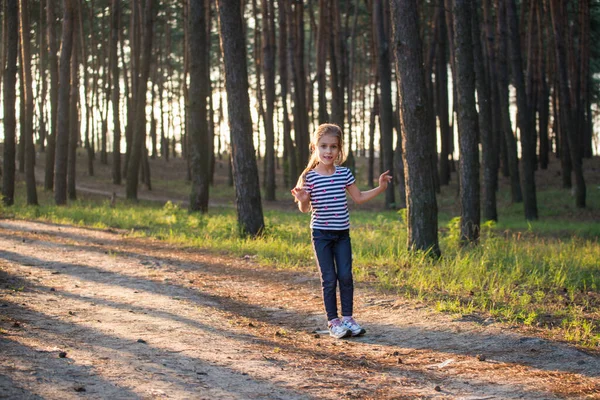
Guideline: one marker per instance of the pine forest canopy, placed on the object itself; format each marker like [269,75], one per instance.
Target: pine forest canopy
[137,72]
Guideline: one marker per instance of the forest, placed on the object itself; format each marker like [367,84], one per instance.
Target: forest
[150,246]
[426,88]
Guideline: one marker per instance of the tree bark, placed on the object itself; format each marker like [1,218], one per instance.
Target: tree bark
[62,133]
[43,82]
[53,67]
[298,70]
[115,11]
[350,160]
[420,188]
[468,132]
[9,90]
[290,167]
[543,93]
[503,82]
[489,159]
[322,45]
[245,171]
[337,64]
[442,106]
[385,92]
[24,30]
[268,65]
[197,116]
[139,131]
[524,115]
[566,105]
[73,114]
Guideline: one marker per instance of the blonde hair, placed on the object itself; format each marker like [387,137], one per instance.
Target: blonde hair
[313,161]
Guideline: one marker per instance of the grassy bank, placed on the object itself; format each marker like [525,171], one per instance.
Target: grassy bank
[543,274]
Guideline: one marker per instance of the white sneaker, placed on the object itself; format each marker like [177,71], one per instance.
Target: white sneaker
[337,329]
[354,327]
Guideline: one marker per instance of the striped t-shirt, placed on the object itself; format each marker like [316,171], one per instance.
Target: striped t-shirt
[328,198]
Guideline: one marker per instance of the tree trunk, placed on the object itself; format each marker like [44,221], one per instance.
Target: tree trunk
[489,159]
[585,114]
[245,171]
[420,189]
[115,92]
[9,90]
[337,64]
[27,128]
[103,65]
[503,82]
[442,106]
[53,66]
[373,116]
[22,113]
[565,100]
[350,161]
[43,82]
[468,134]
[524,115]
[62,133]
[322,45]
[268,67]
[89,119]
[131,85]
[73,114]
[197,117]
[139,131]
[298,70]
[385,91]
[543,93]
[290,168]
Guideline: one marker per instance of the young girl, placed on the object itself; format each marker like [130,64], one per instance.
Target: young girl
[321,189]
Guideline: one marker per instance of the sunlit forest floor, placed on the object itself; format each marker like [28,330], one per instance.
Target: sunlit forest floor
[169,181]
[156,303]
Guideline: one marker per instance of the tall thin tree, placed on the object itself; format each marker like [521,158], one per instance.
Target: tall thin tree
[420,189]
[322,46]
[73,108]
[566,105]
[53,67]
[28,101]
[245,171]
[268,67]
[62,132]
[381,21]
[197,116]
[502,80]
[489,158]
[290,168]
[115,10]
[9,90]
[468,130]
[441,94]
[524,115]
[298,71]
[138,147]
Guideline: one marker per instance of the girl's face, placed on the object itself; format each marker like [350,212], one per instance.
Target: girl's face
[328,149]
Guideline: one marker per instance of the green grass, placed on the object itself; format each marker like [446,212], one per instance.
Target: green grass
[543,274]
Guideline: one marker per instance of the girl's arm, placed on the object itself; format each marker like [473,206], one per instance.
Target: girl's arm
[360,197]
[304,206]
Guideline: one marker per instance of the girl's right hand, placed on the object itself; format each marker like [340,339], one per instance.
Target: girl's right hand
[300,194]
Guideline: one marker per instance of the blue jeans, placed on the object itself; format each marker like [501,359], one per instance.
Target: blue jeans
[333,252]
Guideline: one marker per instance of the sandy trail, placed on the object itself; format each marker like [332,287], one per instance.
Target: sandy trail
[142,319]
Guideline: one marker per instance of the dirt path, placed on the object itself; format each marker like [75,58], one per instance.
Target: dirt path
[140,319]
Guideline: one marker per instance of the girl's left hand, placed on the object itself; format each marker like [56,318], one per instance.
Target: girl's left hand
[384,179]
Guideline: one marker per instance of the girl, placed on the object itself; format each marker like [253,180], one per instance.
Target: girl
[321,189]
